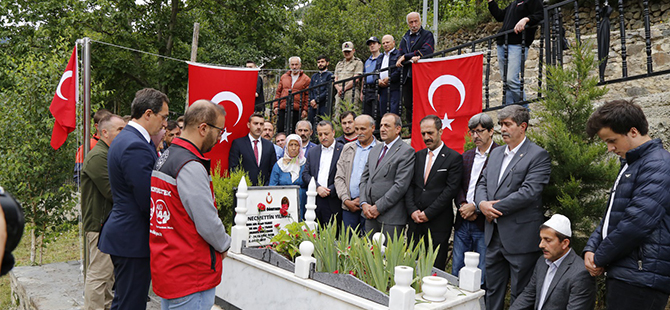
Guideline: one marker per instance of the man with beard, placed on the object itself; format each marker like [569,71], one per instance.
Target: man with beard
[268,133]
[429,200]
[318,96]
[348,132]
[304,130]
[184,218]
[294,80]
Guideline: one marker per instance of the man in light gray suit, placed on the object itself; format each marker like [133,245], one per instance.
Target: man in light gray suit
[560,280]
[509,195]
[386,178]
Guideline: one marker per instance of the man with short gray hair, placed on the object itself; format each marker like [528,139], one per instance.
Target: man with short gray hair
[293,80]
[509,195]
[469,225]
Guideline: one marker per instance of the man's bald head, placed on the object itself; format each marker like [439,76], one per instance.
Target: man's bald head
[202,111]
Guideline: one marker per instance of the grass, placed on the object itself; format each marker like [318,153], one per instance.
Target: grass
[63,247]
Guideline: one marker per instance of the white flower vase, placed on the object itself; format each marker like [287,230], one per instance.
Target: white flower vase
[434,288]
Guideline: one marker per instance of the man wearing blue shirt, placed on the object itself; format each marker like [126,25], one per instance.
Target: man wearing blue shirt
[369,93]
[350,167]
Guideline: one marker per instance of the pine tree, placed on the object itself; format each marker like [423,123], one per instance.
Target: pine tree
[582,171]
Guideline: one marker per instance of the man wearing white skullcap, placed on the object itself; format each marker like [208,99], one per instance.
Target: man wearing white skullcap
[560,280]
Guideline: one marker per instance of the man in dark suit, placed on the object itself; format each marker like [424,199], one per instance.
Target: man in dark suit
[385,180]
[560,280]
[469,226]
[509,194]
[389,80]
[321,165]
[257,156]
[125,234]
[304,129]
[429,200]
[260,97]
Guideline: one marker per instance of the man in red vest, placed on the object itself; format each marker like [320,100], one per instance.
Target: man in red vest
[187,239]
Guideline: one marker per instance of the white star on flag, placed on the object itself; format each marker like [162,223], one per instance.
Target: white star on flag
[224,135]
[446,122]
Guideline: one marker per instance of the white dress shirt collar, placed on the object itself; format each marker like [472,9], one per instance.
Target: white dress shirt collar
[141,129]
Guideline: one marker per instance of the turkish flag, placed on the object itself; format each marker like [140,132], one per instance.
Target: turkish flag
[451,88]
[232,88]
[64,105]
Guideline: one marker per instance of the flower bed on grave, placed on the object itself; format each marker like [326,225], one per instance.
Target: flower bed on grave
[359,256]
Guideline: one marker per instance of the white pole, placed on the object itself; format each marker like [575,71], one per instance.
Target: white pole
[435,20]
[424,16]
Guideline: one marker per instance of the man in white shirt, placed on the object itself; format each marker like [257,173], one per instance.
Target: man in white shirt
[254,154]
[389,80]
[321,165]
[560,280]
[469,225]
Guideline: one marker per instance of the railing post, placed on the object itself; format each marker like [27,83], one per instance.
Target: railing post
[622,29]
[329,97]
[288,114]
[488,72]
[647,36]
[522,65]
[547,36]
[540,62]
[577,34]
[504,73]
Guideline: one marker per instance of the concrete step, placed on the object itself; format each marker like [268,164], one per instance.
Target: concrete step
[57,286]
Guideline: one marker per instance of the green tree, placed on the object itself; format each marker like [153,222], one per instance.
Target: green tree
[581,170]
[36,174]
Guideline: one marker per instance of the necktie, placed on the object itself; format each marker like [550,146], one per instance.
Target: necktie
[428,166]
[256,151]
[383,153]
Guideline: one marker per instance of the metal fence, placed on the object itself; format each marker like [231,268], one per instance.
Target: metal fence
[550,47]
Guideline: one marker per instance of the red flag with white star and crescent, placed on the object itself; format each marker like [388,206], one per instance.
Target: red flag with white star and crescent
[232,88]
[451,88]
[64,104]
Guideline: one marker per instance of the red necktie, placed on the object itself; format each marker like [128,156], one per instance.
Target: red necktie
[383,153]
[256,151]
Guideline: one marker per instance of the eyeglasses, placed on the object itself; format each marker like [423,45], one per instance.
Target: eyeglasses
[476,131]
[219,128]
[164,118]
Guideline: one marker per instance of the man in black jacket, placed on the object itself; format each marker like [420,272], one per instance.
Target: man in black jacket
[515,16]
[416,43]
[318,97]
[260,98]
[389,80]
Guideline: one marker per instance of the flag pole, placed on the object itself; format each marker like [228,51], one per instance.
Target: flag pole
[86,81]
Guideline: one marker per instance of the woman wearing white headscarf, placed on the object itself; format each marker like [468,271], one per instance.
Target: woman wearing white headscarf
[288,169]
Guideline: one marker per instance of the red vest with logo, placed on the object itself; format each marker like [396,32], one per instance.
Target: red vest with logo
[182,262]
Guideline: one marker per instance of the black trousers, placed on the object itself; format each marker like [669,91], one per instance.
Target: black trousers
[281,121]
[370,100]
[439,237]
[132,279]
[407,99]
[621,295]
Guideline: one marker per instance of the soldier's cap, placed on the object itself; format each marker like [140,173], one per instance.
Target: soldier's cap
[372,39]
[347,46]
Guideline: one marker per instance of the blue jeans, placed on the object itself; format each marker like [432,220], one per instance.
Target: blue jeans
[514,63]
[354,220]
[197,301]
[468,237]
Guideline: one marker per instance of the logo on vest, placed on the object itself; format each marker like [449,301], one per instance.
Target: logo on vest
[162,212]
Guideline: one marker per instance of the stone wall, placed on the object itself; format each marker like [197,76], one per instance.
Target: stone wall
[652,93]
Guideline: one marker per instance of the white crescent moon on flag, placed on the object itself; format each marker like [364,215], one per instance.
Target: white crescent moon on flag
[66,75]
[446,80]
[232,97]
